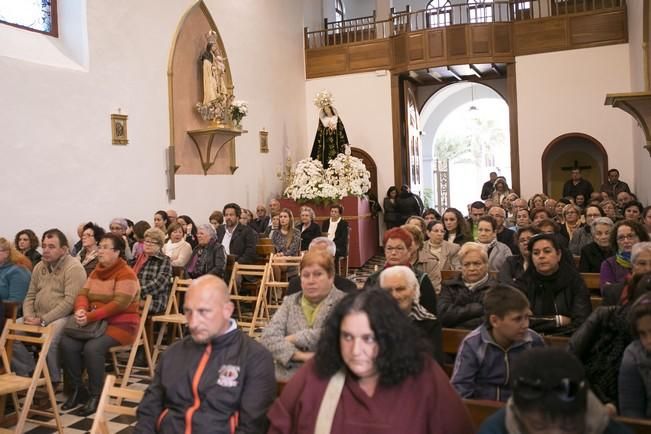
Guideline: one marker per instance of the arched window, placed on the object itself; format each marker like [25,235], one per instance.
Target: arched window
[480,11]
[340,10]
[36,15]
[439,13]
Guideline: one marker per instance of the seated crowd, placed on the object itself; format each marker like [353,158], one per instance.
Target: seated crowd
[508,277]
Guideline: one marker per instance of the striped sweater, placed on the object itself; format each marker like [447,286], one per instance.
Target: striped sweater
[112,293]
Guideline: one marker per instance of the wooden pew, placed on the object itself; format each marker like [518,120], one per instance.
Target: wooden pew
[638,426]
[591,280]
[596,301]
[481,409]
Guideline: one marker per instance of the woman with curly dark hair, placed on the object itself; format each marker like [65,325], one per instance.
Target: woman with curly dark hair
[377,374]
[26,243]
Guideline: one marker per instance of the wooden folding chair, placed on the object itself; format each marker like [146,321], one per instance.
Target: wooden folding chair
[11,383]
[111,391]
[275,288]
[141,341]
[251,322]
[171,316]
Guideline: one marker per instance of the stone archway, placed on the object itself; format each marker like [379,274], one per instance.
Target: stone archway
[570,150]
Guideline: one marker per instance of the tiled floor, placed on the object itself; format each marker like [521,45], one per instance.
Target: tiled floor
[75,424]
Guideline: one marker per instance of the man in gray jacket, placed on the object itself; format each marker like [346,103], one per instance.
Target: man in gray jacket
[56,280]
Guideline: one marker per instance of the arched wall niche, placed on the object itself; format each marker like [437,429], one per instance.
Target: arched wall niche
[370,166]
[185,87]
[563,151]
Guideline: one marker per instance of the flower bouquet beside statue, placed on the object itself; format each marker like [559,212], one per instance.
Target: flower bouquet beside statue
[345,176]
[239,109]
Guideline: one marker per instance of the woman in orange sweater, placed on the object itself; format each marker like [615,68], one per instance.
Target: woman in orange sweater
[111,293]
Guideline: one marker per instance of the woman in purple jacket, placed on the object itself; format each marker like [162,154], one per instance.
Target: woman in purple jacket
[624,235]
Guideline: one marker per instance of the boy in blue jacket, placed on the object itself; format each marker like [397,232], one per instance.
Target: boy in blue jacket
[483,363]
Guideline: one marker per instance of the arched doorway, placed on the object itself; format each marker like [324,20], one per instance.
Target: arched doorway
[465,137]
[573,150]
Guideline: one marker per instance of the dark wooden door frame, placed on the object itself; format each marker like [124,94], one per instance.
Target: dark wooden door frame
[600,148]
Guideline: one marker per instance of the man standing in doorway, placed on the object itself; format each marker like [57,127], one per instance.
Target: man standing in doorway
[577,185]
[488,187]
[611,188]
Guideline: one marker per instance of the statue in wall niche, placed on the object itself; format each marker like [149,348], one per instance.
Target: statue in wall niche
[216,96]
[331,136]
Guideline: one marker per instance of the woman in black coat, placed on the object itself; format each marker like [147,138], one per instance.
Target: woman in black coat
[559,299]
[308,227]
[594,253]
[516,265]
[391,215]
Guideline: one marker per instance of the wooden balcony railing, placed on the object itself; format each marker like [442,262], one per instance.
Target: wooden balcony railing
[368,28]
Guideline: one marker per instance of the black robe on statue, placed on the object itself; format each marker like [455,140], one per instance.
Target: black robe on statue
[329,141]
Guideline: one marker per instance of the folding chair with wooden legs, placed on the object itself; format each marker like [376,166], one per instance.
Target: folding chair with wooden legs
[11,383]
[141,341]
[276,288]
[110,391]
[171,316]
[252,323]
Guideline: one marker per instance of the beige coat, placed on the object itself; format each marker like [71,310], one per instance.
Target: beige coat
[289,320]
[428,263]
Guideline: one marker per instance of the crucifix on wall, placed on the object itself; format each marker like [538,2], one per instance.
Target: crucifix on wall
[575,166]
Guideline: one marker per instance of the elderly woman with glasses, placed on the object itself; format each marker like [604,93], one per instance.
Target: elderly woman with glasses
[624,235]
[460,302]
[209,256]
[154,271]
[398,250]
[402,284]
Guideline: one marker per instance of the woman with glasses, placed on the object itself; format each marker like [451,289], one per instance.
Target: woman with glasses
[90,238]
[624,235]
[597,251]
[110,294]
[583,235]
[397,250]
[617,293]
[571,220]
[559,299]
[154,271]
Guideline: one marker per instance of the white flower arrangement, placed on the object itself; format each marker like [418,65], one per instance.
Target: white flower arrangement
[323,99]
[345,176]
[239,109]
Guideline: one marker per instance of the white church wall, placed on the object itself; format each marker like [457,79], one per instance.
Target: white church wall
[564,92]
[60,167]
[364,104]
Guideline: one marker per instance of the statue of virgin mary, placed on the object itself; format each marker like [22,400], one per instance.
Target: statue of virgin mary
[331,136]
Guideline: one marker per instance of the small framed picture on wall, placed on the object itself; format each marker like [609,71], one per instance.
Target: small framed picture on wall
[119,129]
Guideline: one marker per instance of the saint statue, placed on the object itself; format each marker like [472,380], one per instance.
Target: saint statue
[331,138]
[214,70]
